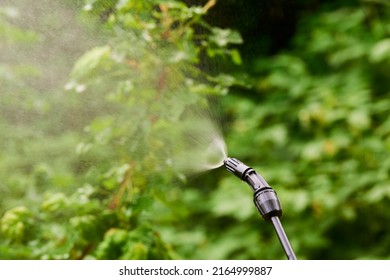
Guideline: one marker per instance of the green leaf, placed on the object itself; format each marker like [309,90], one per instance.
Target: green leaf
[380,51]
[91,61]
[359,119]
[16,223]
[224,37]
[378,193]
[55,202]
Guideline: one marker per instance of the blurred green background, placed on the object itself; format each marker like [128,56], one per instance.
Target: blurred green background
[92,94]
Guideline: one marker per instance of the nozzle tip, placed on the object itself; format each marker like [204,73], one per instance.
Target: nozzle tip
[231,165]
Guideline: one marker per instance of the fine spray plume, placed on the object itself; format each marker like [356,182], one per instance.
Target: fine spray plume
[265,199]
[200,141]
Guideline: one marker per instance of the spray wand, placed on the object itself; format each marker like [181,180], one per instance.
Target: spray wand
[265,199]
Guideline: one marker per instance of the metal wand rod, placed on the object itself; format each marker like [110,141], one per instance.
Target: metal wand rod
[283,238]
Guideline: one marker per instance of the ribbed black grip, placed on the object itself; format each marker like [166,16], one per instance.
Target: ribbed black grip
[236,167]
[231,164]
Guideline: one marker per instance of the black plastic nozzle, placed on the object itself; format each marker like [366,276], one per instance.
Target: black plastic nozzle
[265,197]
[246,173]
[236,167]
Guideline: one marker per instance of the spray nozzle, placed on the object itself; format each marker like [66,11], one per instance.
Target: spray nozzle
[236,167]
[265,197]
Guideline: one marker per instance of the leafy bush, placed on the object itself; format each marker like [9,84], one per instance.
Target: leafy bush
[139,86]
[318,121]
[101,172]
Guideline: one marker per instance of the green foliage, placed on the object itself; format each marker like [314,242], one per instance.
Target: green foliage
[94,197]
[89,173]
[318,120]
